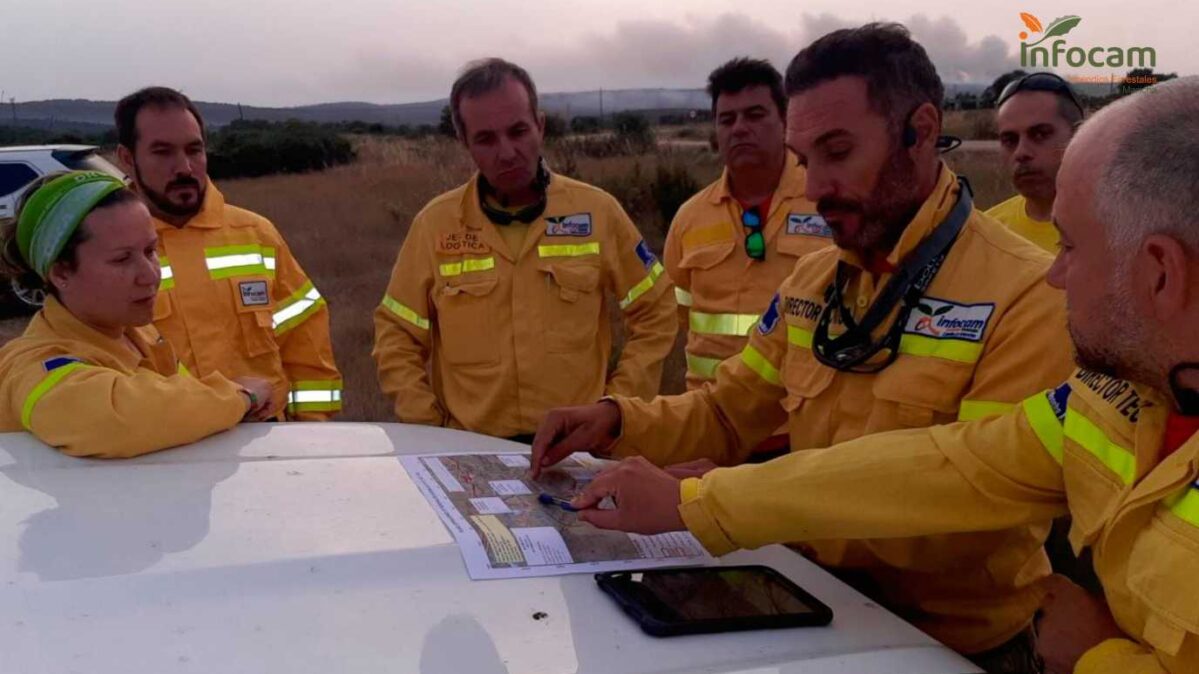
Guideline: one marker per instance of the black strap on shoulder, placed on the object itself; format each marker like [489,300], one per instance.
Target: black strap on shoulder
[908,284]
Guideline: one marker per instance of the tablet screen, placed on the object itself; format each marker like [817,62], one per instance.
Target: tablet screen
[714,593]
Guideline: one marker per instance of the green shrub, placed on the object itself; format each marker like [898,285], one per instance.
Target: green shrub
[255,148]
[555,126]
[634,130]
[585,124]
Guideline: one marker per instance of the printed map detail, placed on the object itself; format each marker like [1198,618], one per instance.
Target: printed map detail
[490,506]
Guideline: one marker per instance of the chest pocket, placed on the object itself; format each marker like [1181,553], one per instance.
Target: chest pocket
[572,302]
[804,377]
[465,315]
[917,392]
[708,256]
[1161,575]
[798,245]
[255,313]
[714,288]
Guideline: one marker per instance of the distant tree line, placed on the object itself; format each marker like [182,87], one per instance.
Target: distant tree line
[246,149]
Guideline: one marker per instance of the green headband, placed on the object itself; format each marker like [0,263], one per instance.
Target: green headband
[55,210]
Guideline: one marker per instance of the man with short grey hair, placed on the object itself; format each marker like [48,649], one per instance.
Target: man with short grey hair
[501,287]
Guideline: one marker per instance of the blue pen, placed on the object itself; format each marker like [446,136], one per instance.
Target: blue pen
[550,499]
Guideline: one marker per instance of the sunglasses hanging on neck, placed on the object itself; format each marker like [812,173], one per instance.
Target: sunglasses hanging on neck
[755,240]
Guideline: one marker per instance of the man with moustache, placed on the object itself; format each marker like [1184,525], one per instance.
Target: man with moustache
[731,244]
[232,298]
[1036,115]
[925,312]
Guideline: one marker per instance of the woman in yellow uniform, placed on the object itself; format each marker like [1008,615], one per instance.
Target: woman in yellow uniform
[90,375]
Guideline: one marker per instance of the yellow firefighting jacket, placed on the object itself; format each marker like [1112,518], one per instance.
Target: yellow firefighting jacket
[89,395]
[989,331]
[513,334]
[1091,447]
[1013,214]
[234,300]
[721,290]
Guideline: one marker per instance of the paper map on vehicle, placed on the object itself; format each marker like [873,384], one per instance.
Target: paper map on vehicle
[490,506]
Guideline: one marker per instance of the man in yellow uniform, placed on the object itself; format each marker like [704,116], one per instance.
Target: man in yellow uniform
[926,312]
[233,299]
[1115,446]
[1036,115]
[731,244]
[502,283]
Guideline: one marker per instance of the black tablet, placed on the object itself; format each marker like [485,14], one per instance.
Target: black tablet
[703,600]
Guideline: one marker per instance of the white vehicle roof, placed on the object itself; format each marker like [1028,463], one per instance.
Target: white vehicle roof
[47,148]
[305,548]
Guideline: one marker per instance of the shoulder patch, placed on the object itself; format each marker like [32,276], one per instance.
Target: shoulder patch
[949,320]
[52,364]
[578,224]
[457,243]
[1058,398]
[770,319]
[810,224]
[647,256]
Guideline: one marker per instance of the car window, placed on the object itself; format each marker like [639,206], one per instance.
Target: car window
[14,176]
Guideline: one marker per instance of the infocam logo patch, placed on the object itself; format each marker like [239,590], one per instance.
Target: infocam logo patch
[254,293]
[810,224]
[948,320]
[578,224]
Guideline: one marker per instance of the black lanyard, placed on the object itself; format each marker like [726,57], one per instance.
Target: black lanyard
[851,350]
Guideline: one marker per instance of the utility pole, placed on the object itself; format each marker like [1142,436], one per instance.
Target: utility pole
[601,119]
[240,115]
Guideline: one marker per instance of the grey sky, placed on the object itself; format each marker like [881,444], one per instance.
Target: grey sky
[287,52]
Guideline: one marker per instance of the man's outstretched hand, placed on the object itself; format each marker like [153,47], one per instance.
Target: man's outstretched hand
[564,431]
[646,499]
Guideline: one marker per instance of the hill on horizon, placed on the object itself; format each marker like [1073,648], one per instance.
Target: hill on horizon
[88,116]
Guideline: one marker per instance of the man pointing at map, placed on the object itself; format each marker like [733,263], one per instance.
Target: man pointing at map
[925,312]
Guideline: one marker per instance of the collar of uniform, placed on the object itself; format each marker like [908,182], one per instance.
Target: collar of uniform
[210,213]
[473,217]
[934,209]
[65,324]
[1158,475]
[791,183]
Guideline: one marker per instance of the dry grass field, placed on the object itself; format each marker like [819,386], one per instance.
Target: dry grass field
[345,225]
